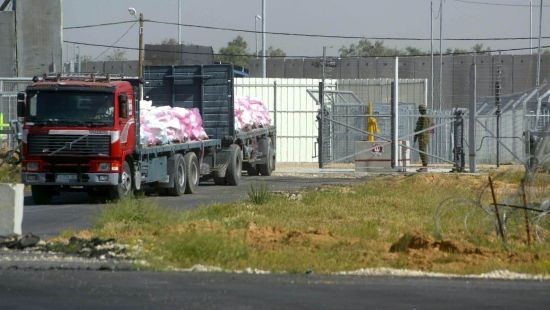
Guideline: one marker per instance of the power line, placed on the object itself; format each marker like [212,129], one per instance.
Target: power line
[497,4]
[307,57]
[312,35]
[120,38]
[340,36]
[100,25]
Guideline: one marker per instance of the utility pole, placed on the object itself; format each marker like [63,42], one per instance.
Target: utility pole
[538,65]
[141,52]
[440,52]
[263,40]
[498,112]
[531,26]
[432,52]
[179,22]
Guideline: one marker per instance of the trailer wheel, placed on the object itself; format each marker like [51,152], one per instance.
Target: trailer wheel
[41,195]
[269,166]
[192,173]
[234,166]
[124,187]
[180,170]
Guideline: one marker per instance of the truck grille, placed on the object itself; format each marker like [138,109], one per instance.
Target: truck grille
[69,145]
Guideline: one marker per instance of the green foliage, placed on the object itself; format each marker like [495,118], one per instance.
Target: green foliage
[259,194]
[275,52]
[236,52]
[133,213]
[169,41]
[367,48]
[200,247]
[117,55]
[10,174]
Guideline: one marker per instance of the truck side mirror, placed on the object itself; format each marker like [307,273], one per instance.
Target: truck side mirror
[123,105]
[21,104]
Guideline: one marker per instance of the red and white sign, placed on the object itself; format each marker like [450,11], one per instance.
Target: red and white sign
[377,150]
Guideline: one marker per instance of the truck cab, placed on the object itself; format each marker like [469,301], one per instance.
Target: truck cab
[76,134]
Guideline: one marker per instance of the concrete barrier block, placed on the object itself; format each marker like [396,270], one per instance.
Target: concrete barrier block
[11,209]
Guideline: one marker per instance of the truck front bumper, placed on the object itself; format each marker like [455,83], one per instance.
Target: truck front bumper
[69,179]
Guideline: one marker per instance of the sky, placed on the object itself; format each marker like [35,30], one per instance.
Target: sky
[368,18]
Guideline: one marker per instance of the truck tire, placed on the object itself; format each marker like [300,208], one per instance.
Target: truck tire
[41,195]
[234,165]
[180,181]
[124,187]
[269,166]
[192,173]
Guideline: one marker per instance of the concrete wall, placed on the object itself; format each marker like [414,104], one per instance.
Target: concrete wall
[517,73]
[7,43]
[39,36]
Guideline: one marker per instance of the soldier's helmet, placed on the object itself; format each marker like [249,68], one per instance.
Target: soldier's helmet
[422,108]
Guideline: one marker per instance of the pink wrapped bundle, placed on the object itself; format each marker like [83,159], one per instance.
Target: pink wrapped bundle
[162,125]
[250,113]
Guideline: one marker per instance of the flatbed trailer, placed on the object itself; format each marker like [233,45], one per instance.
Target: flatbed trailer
[64,149]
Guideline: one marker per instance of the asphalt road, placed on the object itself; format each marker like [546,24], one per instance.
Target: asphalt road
[21,289]
[74,210]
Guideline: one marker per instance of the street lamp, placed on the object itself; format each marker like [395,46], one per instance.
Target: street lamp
[133,12]
[256,19]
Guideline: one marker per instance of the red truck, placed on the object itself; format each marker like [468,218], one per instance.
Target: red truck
[84,134]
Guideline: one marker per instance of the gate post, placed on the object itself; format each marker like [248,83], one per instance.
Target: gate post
[395,117]
[320,119]
[458,150]
[472,118]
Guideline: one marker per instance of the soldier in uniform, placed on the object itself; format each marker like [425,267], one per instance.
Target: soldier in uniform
[423,137]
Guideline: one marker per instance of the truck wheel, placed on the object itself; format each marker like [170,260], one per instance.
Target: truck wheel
[180,170]
[234,166]
[124,187]
[192,173]
[41,195]
[269,166]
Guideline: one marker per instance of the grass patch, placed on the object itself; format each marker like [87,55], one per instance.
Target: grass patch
[326,230]
[259,194]
[10,174]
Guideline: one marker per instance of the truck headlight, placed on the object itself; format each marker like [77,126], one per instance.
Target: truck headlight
[104,167]
[32,166]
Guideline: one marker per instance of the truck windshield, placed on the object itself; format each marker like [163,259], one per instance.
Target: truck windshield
[71,108]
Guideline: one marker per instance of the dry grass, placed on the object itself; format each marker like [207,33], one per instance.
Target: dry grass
[325,230]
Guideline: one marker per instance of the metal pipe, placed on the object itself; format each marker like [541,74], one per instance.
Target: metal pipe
[432,53]
[472,118]
[531,27]
[179,22]
[440,53]
[263,40]
[538,65]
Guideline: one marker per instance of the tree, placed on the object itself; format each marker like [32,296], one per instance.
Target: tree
[367,48]
[275,52]
[456,51]
[85,58]
[117,55]
[415,51]
[169,41]
[478,48]
[235,52]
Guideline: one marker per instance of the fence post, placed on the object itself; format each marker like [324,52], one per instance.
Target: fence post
[395,118]
[458,150]
[320,118]
[472,118]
